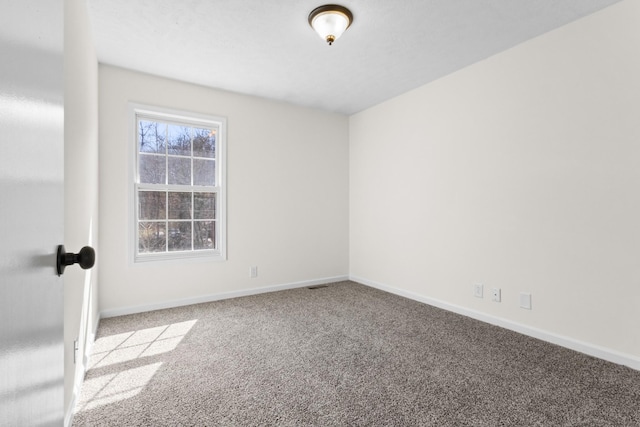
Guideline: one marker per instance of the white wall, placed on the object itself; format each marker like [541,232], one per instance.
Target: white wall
[520,172]
[81,190]
[287,195]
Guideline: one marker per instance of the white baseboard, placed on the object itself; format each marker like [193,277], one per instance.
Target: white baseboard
[567,342]
[216,297]
[77,386]
[68,415]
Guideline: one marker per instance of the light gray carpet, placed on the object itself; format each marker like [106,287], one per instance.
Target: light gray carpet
[342,355]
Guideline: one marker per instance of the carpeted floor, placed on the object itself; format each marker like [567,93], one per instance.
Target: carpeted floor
[341,355]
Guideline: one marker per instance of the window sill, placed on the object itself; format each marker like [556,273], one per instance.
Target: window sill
[204,255]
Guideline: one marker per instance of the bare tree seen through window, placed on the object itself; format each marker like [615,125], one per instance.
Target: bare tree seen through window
[179,212]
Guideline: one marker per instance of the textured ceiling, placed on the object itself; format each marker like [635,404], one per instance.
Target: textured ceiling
[266,48]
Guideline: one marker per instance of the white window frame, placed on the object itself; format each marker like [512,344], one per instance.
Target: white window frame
[191,119]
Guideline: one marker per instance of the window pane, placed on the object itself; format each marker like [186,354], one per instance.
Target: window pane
[180,236]
[151,136]
[179,205]
[152,204]
[204,205]
[204,235]
[152,169]
[151,237]
[179,140]
[204,172]
[179,171]
[204,142]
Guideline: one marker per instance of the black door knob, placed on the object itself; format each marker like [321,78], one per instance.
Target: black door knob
[85,258]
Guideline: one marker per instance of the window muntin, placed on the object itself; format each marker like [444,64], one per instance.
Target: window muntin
[178,186]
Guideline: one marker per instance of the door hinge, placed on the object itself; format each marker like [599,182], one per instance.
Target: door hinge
[75,350]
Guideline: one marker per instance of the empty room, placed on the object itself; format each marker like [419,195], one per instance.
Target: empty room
[238,213]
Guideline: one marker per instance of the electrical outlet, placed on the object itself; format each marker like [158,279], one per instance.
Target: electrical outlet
[253,272]
[495,294]
[477,290]
[525,300]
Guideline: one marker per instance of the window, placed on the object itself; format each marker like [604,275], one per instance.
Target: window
[179,195]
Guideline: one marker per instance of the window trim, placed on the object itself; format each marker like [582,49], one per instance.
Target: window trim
[136,111]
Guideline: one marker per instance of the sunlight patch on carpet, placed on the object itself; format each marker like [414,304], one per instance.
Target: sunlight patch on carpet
[125,382]
[136,344]
[115,387]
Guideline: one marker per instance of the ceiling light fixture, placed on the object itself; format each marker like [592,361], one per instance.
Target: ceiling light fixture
[330,21]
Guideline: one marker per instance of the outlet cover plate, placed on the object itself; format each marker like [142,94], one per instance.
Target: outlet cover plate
[525,300]
[477,290]
[495,294]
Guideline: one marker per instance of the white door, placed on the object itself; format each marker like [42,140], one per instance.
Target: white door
[31,212]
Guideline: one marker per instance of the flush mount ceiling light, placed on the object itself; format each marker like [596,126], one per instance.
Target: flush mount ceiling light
[330,21]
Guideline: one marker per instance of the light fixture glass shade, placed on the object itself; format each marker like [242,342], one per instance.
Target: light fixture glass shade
[330,21]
